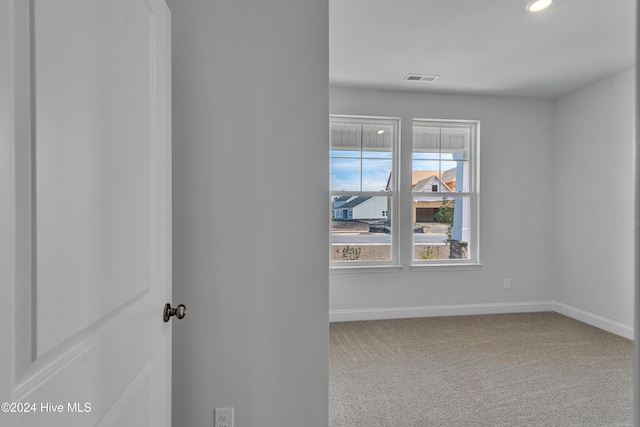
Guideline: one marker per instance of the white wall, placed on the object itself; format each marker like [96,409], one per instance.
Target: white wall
[250,135]
[594,199]
[371,209]
[516,213]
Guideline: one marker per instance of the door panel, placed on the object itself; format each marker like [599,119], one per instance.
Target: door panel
[85,170]
[132,406]
[92,157]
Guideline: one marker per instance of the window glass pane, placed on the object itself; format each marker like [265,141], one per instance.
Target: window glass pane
[444,150]
[455,142]
[428,165]
[426,139]
[376,174]
[454,151]
[377,138]
[345,174]
[360,228]
[370,145]
[346,136]
[457,176]
[441,227]
[424,177]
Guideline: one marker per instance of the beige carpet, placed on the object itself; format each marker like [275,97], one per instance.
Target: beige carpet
[537,369]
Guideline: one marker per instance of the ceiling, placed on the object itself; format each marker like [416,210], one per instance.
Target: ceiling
[490,47]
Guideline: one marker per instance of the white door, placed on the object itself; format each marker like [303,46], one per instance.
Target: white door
[85,213]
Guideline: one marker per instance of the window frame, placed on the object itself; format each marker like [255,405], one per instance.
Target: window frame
[402,199]
[391,264]
[472,193]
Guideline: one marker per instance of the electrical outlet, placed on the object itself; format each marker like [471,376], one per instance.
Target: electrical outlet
[223,417]
[507,283]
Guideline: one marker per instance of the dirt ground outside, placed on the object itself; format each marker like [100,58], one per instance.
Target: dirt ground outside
[363,227]
[382,252]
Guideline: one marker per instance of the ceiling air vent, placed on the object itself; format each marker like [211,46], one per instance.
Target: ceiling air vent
[420,78]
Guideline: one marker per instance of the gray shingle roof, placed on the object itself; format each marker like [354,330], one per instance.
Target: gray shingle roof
[355,202]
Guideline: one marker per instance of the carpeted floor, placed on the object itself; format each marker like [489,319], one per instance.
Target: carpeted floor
[534,369]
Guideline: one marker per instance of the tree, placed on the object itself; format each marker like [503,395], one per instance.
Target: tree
[445,215]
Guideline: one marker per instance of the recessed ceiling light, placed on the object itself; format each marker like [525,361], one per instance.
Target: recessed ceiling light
[538,5]
[380,132]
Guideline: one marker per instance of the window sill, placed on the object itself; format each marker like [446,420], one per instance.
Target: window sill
[365,269]
[446,267]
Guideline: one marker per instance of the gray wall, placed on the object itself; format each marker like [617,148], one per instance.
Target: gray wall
[516,187]
[250,107]
[594,203]
[556,210]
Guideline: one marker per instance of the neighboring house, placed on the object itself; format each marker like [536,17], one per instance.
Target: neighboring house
[426,208]
[341,201]
[448,178]
[360,207]
[427,181]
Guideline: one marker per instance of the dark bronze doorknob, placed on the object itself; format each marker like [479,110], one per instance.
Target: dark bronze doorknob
[180,311]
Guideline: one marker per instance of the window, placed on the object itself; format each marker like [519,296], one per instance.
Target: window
[363,199]
[439,207]
[444,188]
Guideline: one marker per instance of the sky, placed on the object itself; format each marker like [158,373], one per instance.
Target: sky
[347,173]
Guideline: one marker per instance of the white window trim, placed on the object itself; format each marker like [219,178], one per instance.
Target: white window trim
[452,266]
[381,265]
[473,262]
[346,269]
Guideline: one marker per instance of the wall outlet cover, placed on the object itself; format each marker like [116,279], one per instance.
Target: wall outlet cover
[223,417]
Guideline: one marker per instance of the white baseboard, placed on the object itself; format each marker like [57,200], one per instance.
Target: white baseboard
[438,311]
[596,320]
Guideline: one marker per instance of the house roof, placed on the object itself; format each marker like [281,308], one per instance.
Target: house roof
[418,175]
[420,185]
[355,202]
[449,175]
[426,183]
[342,199]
